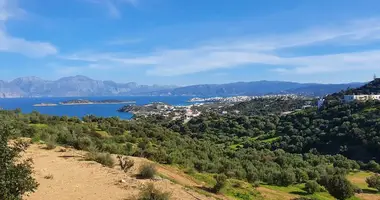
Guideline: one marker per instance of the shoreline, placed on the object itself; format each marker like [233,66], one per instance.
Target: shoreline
[96,103]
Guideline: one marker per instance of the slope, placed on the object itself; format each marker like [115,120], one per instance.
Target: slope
[64,175]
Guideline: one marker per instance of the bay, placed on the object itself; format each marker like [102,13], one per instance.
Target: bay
[100,110]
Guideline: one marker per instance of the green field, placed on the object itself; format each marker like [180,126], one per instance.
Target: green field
[241,190]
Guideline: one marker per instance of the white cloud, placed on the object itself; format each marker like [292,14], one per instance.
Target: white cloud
[114,5]
[22,46]
[259,51]
[8,43]
[123,41]
[9,9]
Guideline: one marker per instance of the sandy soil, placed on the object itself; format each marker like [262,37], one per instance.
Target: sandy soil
[66,176]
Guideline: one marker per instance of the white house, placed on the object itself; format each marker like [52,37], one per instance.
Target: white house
[361,97]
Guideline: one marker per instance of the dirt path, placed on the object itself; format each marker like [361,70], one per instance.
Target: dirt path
[65,176]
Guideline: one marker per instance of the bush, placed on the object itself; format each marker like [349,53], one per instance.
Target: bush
[284,178]
[312,187]
[84,143]
[50,145]
[220,182]
[256,184]
[339,187]
[147,171]
[125,163]
[357,190]
[18,175]
[102,158]
[151,193]
[374,182]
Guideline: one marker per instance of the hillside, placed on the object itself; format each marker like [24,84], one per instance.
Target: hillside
[257,88]
[260,154]
[350,129]
[372,87]
[82,86]
[66,176]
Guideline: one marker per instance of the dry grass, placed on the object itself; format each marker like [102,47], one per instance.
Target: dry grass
[270,194]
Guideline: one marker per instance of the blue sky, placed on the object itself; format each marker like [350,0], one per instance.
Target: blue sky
[186,42]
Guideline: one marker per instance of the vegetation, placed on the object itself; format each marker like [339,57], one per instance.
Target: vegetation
[15,175]
[312,187]
[374,181]
[149,192]
[302,148]
[102,158]
[125,163]
[274,106]
[147,171]
[220,182]
[338,186]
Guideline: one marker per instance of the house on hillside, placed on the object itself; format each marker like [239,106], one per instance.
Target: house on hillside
[361,97]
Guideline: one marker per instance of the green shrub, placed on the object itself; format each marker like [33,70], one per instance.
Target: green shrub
[256,184]
[151,193]
[50,145]
[15,177]
[102,158]
[84,143]
[312,187]
[339,187]
[221,180]
[374,181]
[147,171]
[357,189]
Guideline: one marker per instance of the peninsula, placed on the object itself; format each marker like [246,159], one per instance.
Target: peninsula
[85,102]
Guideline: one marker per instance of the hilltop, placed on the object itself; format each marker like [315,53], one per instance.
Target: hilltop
[372,87]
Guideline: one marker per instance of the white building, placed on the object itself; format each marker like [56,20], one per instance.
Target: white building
[361,97]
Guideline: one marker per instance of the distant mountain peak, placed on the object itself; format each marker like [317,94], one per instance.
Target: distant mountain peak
[79,85]
[27,78]
[77,77]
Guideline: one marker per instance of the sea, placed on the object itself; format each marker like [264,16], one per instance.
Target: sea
[100,110]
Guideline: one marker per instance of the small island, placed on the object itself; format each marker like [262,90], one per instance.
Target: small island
[44,104]
[85,102]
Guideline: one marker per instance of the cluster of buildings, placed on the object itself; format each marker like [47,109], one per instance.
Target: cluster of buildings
[361,97]
[237,99]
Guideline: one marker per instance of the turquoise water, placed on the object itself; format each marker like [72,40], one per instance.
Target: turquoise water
[101,110]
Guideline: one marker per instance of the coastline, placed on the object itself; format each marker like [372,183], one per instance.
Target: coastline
[96,103]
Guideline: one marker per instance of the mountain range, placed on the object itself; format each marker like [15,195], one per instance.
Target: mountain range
[81,86]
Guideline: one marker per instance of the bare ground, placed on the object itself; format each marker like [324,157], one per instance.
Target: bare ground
[66,176]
